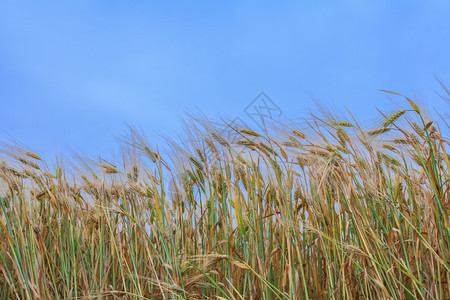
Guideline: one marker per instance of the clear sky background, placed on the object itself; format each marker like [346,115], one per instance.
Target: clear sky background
[73,72]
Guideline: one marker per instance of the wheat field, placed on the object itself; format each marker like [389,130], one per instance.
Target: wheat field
[332,209]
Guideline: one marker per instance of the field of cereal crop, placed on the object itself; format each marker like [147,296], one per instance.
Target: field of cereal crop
[332,210]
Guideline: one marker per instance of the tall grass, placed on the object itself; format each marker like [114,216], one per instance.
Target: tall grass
[328,211]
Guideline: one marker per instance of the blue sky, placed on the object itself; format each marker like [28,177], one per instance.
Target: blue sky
[73,72]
